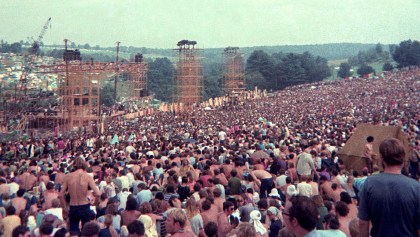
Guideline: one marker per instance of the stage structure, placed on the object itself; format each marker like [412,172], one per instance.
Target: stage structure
[233,71]
[79,85]
[189,78]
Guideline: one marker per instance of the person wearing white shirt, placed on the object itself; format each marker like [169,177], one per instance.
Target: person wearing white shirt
[130,177]
[125,183]
[123,199]
[56,209]
[129,149]
[222,137]
[281,180]
[13,188]
[303,188]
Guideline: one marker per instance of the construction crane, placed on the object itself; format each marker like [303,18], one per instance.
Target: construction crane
[35,45]
[34,50]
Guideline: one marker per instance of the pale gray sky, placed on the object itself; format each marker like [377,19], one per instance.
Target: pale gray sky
[212,23]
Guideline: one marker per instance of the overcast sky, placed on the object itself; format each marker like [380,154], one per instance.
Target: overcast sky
[212,23]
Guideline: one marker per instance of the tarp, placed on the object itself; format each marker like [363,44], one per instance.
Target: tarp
[351,153]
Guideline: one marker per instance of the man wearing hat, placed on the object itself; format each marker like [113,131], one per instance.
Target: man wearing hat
[276,224]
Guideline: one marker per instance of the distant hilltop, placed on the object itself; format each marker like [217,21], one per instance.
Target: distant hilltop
[331,51]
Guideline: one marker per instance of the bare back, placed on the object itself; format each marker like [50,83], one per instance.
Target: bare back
[77,184]
[262,174]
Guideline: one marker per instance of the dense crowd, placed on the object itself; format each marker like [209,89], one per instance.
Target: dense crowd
[236,170]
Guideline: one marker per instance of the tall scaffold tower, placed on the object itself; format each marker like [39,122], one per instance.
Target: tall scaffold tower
[189,78]
[79,85]
[233,71]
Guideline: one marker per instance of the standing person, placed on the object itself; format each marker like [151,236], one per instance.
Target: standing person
[265,180]
[194,216]
[276,224]
[390,200]
[234,183]
[76,185]
[176,223]
[368,154]
[223,220]
[61,145]
[305,165]
[414,158]
[222,137]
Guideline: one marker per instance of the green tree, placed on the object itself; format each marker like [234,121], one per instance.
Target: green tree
[159,79]
[86,46]
[211,87]
[344,70]
[316,68]
[277,57]
[291,71]
[260,61]
[212,79]
[107,94]
[365,69]
[254,79]
[407,53]
[387,67]
[392,48]
[378,48]
[16,47]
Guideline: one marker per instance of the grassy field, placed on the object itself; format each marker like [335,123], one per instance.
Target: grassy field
[377,66]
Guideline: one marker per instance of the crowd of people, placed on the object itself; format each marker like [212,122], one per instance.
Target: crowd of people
[265,167]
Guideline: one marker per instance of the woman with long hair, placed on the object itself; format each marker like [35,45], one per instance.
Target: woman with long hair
[194,216]
[323,211]
[149,227]
[130,213]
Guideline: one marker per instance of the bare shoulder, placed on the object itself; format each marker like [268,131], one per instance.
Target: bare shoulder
[66,177]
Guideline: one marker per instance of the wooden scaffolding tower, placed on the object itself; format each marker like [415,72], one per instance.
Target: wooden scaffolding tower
[138,78]
[189,79]
[79,86]
[233,71]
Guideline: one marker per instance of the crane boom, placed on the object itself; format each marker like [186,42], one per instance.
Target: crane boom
[35,44]
[27,67]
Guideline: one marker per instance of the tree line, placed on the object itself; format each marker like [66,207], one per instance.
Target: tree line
[279,70]
[406,54]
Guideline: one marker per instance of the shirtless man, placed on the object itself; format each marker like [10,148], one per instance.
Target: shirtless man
[336,190]
[76,184]
[325,187]
[19,202]
[49,195]
[227,168]
[368,154]
[264,179]
[28,180]
[59,177]
[4,188]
